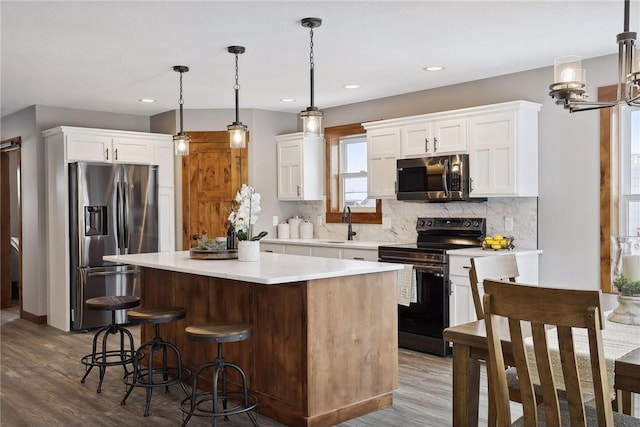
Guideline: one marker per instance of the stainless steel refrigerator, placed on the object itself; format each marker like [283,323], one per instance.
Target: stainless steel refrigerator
[113,211]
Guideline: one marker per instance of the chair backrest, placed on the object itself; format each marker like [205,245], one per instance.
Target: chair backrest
[530,311]
[502,267]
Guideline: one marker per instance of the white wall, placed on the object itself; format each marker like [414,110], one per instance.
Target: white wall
[28,124]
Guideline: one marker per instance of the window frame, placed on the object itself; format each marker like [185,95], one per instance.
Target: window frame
[333,213]
[609,185]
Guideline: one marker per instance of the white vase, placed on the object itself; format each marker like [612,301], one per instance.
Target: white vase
[627,311]
[248,250]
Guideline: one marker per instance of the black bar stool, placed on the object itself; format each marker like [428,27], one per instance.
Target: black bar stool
[225,402]
[157,373]
[102,358]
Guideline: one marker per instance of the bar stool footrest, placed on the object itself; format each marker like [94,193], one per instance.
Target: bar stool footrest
[105,359]
[235,405]
[142,377]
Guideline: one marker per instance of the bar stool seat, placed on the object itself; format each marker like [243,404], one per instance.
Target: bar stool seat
[225,402]
[105,357]
[157,373]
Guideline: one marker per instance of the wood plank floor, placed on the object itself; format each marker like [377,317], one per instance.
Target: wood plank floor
[40,386]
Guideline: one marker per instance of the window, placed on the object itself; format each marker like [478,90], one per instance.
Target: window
[346,176]
[629,172]
[353,174]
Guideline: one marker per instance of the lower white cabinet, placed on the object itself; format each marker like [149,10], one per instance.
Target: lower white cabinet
[461,307]
[321,251]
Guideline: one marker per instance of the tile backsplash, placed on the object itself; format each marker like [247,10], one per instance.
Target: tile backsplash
[403,215]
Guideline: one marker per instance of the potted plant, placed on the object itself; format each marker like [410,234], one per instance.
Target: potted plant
[243,217]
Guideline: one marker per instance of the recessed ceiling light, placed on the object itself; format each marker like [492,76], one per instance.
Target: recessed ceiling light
[147,100]
[287,99]
[434,68]
[351,86]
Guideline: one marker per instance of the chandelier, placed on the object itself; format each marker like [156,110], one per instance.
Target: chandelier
[569,87]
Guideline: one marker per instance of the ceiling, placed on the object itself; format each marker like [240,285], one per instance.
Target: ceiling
[106,55]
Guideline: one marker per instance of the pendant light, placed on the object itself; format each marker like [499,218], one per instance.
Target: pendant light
[311,117]
[569,87]
[181,140]
[237,131]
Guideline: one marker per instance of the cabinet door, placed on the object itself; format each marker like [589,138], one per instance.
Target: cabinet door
[297,250]
[382,149]
[416,139]
[449,136]
[89,148]
[460,301]
[289,170]
[133,151]
[271,247]
[325,252]
[492,157]
[360,254]
[166,219]
[165,162]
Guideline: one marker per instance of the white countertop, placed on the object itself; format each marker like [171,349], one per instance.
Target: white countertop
[270,270]
[334,243]
[487,252]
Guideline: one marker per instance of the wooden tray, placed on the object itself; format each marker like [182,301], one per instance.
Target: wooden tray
[208,254]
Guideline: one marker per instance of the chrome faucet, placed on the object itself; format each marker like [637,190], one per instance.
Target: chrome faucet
[346,218]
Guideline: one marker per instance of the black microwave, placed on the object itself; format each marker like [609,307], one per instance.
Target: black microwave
[434,179]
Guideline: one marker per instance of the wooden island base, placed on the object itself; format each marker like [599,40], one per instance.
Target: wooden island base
[322,351]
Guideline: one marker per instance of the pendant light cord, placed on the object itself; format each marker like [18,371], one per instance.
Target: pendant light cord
[236,87]
[311,63]
[181,102]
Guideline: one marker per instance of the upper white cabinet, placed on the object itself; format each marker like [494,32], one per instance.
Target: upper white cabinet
[503,150]
[300,167]
[91,145]
[382,153]
[434,137]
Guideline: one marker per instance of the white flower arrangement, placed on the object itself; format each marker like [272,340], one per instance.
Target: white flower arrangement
[245,213]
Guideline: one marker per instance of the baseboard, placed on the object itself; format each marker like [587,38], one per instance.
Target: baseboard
[38,320]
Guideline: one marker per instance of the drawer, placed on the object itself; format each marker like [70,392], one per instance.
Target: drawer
[361,254]
[297,250]
[272,247]
[325,252]
[459,265]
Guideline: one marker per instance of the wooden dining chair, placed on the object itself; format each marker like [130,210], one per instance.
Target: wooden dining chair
[505,268]
[539,308]
[502,267]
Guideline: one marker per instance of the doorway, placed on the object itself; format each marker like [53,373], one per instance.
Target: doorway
[211,175]
[10,224]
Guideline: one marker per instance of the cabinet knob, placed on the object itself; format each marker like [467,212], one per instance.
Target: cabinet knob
[115,154]
[426,145]
[435,144]
[107,156]
[298,190]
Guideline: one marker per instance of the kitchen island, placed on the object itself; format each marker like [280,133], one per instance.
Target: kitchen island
[324,347]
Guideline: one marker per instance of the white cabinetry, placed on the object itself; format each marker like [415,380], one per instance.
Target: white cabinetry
[300,167]
[461,308]
[382,153]
[321,250]
[92,146]
[64,145]
[503,151]
[434,137]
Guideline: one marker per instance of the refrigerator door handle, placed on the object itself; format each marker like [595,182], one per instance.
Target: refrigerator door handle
[119,216]
[110,273]
[125,218]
